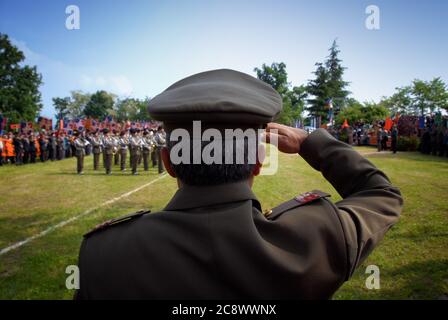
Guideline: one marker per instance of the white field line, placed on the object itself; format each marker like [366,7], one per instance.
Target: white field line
[70,220]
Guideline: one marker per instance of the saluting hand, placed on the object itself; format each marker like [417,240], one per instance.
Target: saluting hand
[289,139]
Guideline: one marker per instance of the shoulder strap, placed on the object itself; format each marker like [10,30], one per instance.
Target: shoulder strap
[295,202]
[115,221]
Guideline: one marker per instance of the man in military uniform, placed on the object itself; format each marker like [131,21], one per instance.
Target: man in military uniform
[43,142]
[116,151]
[80,145]
[123,143]
[109,149]
[146,149]
[52,145]
[96,149]
[153,149]
[212,240]
[160,140]
[135,145]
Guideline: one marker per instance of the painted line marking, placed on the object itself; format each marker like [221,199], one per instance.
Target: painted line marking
[70,220]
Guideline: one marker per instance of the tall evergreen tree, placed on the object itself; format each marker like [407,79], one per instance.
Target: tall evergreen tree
[328,84]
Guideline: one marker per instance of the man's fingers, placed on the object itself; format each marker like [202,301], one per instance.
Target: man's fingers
[276,126]
[276,139]
[270,136]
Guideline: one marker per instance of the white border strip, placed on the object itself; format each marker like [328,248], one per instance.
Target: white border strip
[65,222]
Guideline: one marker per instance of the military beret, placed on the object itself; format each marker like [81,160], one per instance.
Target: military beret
[223,97]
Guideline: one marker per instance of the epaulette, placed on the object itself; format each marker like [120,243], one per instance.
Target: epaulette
[295,202]
[115,221]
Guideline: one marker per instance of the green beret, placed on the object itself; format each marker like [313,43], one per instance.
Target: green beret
[222,97]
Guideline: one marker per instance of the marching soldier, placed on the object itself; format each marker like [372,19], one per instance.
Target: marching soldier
[96,149]
[212,240]
[32,148]
[146,149]
[160,140]
[109,149]
[123,143]
[60,146]
[43,143]
[135,144]
[116,150]
[80,145]
[153,148]
[52,146]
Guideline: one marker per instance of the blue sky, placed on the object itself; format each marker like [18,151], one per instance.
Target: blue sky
[138,48]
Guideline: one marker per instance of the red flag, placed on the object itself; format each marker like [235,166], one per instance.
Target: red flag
[388,124]
[345,125]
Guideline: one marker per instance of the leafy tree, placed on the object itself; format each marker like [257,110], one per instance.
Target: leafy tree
[71,107]
[430,95]
[400,101]
[100,105]
[275,75]
[419,98]
[61,105]
[132,109]
[367,112]
[20,98]
[293,99]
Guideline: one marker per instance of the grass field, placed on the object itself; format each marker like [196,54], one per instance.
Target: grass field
[413,257]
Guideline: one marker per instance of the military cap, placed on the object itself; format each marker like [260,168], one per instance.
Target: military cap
[223,97]
[76,133]
[105,130]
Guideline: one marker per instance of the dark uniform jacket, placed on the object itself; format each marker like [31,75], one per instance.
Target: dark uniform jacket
[215,242]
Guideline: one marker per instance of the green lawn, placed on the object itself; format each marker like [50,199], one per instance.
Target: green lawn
[413,257]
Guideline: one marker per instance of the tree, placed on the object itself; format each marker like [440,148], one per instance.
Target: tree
[132,109]
[430,95]
[328,84]
[275,75]
[418,98]
[100,105]
[400,101]
[71,107]
[20,98]
[367,112]
[61,105]
[293,100]
[319,91]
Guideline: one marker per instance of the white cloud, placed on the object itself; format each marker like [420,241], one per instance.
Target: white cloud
[118,84]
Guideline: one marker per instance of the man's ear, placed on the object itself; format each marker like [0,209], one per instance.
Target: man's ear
[166,162]
[261,154]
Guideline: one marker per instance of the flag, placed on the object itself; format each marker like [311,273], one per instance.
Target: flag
[14,126]
[388,124]
[345,124]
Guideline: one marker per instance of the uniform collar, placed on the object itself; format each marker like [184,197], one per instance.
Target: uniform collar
[190,197]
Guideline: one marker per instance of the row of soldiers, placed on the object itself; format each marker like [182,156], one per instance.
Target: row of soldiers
[26,147]
[141,145]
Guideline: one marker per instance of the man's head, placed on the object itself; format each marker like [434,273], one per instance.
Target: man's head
[221,101]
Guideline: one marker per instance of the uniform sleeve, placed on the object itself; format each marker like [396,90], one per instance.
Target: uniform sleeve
[370,205]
